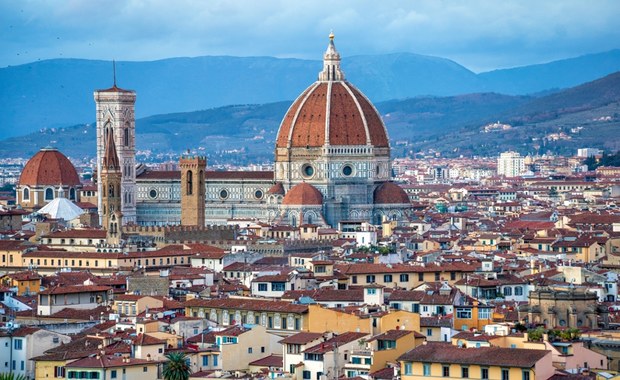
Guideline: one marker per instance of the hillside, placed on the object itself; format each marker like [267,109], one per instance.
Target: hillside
[583,116]
[57,93]
[586,115]
[558,74]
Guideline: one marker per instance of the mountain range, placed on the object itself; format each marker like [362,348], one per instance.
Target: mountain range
[587,115]
[58,93]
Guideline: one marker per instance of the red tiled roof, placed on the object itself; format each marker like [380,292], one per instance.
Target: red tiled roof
[257,175]
[268,361]
[160,174]
[247,304]
[434,352]
[390,193]
[335,341]
[276,189]
[75,289]
[304,124]
[393,335]
[49,167]
[12,245]
[301,338]
[147,340]
[303,194]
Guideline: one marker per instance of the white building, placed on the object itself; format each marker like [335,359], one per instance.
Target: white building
[19,345]
[510,164]
[588,152]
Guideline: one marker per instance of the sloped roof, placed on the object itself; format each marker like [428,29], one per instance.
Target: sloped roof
[61,208]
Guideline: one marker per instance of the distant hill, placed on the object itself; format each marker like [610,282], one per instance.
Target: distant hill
[584,116]
[59,92]
[587,115]
[558,74]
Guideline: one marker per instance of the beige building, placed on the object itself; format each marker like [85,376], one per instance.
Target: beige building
[240,346]
[564,307]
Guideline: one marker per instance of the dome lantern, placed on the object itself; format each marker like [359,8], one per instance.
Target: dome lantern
[331,63]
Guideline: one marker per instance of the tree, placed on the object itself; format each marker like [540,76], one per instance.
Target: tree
[177,366]
[536,335]
[11,376]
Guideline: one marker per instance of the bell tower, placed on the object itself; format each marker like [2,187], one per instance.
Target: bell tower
[193,190]
[111,177]
[116,117]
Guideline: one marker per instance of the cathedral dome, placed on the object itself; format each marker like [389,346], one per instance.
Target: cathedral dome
[303,194]
[390,193]
[331,112]
[49,167]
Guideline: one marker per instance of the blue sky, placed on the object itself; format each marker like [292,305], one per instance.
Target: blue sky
[481,35]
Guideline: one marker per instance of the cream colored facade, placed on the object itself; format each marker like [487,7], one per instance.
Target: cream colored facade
[251,345]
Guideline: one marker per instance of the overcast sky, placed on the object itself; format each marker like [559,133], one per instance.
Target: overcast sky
[481,35]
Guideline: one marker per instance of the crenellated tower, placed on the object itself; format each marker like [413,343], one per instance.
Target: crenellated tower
[116,117]
[193,190]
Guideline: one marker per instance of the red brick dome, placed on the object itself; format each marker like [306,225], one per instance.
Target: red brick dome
[49,167]
[334,113]
[390,193]
[303,194]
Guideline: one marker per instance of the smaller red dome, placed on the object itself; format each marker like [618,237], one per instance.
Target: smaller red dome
[303,194]
[276,189]
[49,167]
[390,193]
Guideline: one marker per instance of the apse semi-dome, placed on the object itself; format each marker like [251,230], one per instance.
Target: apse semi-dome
[390,193]
[303,195]
[49,167]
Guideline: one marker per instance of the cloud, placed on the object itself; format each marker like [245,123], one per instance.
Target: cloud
[479,34]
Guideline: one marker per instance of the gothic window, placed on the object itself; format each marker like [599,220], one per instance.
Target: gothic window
[72,194]
[107,129]
[26,194]
[190,182]
[111,191]
[49,194]
[126,136]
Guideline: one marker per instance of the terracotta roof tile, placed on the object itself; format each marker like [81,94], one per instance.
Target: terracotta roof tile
[305,121]
[302,338]
[269,361]
[434,352]
[390,193]
[303,194]
[49,167]
[247,304]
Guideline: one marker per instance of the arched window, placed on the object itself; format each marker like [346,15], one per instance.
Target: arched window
[190,183]
[507,291]
[201,182]
[518,290]
[72,194]
[111,191]
[49,194]
[26,194]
